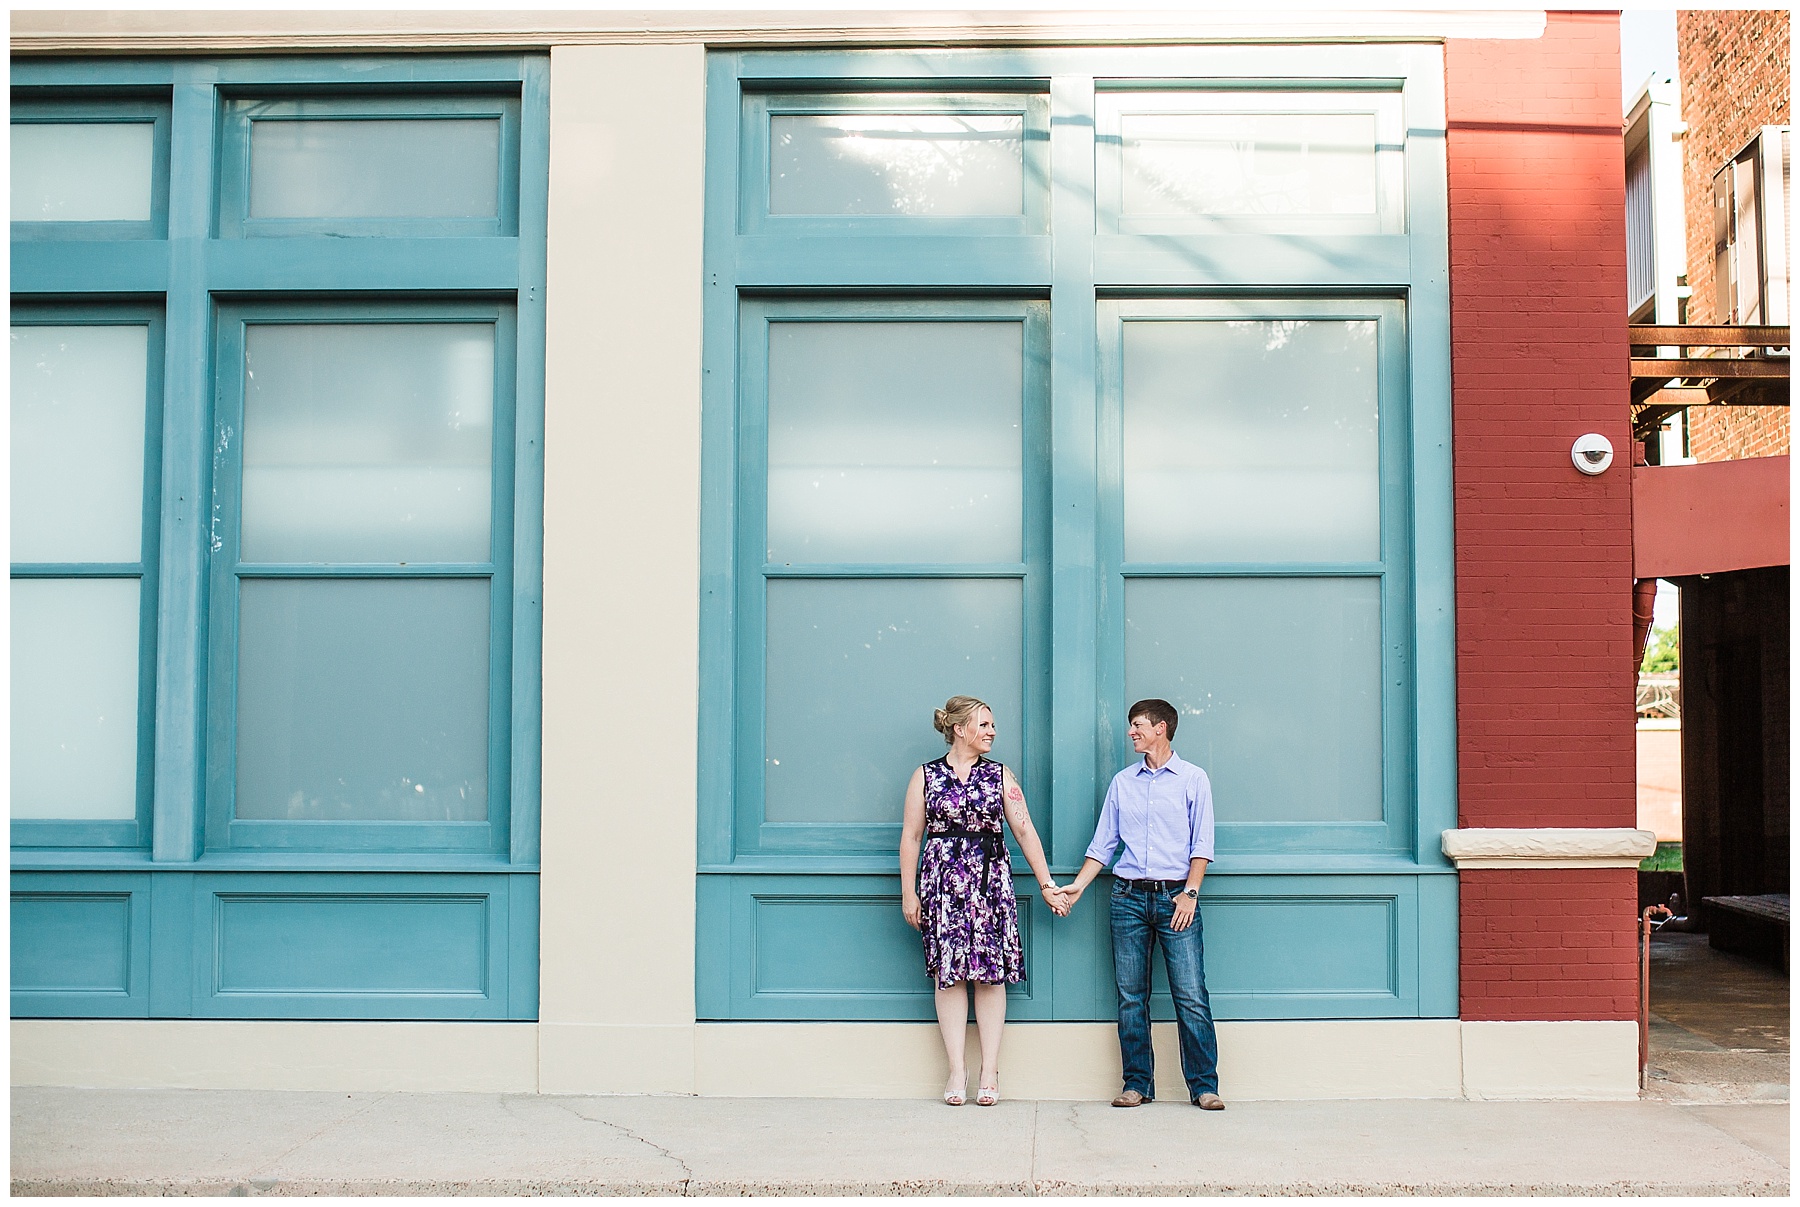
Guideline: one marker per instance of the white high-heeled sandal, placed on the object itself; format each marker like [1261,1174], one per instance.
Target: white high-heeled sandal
[987,1095]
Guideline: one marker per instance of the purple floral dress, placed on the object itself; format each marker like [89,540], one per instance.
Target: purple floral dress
[968,917]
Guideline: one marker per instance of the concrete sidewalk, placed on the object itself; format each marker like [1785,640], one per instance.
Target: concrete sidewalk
[153,1142]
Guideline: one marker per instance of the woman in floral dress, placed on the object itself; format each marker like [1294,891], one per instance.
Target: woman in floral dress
[958,893]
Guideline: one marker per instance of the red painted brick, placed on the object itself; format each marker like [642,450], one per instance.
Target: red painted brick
[1543,554]
[1549,944]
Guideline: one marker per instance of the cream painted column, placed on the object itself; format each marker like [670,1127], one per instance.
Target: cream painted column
[621,567]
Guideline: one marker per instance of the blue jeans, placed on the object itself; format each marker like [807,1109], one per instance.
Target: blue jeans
[1140,921]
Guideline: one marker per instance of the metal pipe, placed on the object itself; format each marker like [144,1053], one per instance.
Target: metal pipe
[1643,615]
[1645,929]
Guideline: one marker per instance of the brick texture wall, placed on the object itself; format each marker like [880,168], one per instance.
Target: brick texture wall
[1733,433]
[1543,553]
[1548,943]
[1734,80]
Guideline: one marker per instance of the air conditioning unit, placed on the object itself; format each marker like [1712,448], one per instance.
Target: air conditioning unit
[1750,225]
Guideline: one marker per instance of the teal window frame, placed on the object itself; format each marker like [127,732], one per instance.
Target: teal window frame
[750,833]
[240,110]
[1394,833]
[225,830]
[152,110]
[1083,263]
[196,279]
[136,832]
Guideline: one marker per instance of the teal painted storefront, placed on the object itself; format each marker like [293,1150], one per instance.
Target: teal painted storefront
[276,651]
[1042,340]
[1029,346]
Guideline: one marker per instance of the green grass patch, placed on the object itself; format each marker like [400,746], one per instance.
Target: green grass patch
[1666,859]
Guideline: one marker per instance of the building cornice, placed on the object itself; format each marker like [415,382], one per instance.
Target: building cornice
[1548,848]
[150,32]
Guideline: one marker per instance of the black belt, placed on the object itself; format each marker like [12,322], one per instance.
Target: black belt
[993,847]
[1155,886]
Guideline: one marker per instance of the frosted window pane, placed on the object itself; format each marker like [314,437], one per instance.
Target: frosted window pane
[412,168]
[895,442]
[362,700]
[78,396]
[368,443]
[855,668]
[74,698]
[1248,163]
[1251,441]
[960,164]
[82,171]
[1278,682]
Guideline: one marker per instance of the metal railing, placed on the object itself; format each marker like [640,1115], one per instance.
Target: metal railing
[1659,696]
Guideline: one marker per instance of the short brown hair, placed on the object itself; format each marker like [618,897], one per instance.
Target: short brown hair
[1155,712]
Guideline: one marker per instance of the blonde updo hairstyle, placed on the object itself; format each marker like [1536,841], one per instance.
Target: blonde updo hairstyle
[957,710]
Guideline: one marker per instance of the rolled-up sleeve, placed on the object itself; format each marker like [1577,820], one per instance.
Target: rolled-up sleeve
[1106,833]
[1200,818]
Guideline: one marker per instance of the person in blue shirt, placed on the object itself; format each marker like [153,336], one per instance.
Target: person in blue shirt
[1158,816]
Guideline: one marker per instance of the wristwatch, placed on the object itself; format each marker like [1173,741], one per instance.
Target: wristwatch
[1192,894]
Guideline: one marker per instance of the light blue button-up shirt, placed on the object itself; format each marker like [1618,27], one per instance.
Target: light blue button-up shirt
[1163,818]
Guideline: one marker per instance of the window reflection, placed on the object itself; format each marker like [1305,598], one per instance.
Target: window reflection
[1279,684]
[409,168]
[865,661]
[961,165]
[1195,164]
[78,400]
[362,700]
[75,695]
[368,442]
[1251,440]
[895,441]
[82,171]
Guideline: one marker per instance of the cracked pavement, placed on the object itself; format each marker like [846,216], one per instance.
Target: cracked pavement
[257,1142]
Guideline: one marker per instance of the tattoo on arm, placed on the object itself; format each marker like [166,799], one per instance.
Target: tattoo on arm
[1013,793]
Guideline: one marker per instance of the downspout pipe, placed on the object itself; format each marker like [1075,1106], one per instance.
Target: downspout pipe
[1643,611]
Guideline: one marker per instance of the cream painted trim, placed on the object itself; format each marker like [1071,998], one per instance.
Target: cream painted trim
[52,32]
[1585,1060]
[622,370]
[590,1058]
[1548,848]
[220,1054]
[1295,1061]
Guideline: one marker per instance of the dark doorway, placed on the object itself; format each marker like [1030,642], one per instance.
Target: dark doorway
[1734,683]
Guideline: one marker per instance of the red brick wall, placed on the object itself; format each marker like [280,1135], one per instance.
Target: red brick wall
[1734,433]
[1543,553]
[1549,944]
[1734,80]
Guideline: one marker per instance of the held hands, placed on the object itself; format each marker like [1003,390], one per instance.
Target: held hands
[1061,899]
